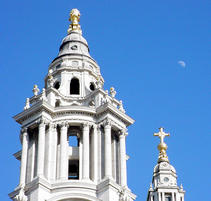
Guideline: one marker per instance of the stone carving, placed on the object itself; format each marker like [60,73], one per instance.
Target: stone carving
[21,196]
[35,90]
[123,196]
[123,132]
[106,97]
[43,95]
[50,78]
[112,92]
[121,106]
[41,121]
[107,122]
[99,84]
[92,103]
[27,105]
[64,124]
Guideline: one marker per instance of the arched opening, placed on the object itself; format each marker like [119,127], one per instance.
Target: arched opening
[74,86]
[92,86]
[57,85]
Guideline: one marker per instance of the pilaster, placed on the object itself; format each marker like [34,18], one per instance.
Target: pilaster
[41,148]
[25,142]
[86,151]
[108,156]
[63,173]
[123,165]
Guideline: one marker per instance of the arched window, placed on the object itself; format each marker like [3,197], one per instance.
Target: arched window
[92,86]
[74,86]
[57,85]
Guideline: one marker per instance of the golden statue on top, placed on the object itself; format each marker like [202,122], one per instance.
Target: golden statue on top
[162,147]
[74,19]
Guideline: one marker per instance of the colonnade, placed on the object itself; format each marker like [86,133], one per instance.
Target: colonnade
[63,159]
[173,195]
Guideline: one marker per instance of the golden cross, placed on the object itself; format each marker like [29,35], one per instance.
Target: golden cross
[161,134]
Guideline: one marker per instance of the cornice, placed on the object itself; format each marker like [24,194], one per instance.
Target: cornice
[42,105]
[109,108]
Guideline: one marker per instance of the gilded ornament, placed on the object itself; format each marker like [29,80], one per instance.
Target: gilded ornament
[74,19]
[162,147]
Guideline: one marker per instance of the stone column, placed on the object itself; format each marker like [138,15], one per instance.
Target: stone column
[163,196]
[24,153]
[173,197]
[85,151]
[114,158]
[159,196]
[122,153]
[41,149]
[99,133]
[63,173]
[52,151]
[95,154]
[108,157]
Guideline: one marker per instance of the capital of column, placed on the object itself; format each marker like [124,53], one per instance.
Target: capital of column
[64,124]
[52,125]
[42,122]
[95,127]
[107,123]
[123,133]
[86,125]
[24,131]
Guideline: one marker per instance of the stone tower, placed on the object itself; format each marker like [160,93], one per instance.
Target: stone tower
[164,182]
[73,132]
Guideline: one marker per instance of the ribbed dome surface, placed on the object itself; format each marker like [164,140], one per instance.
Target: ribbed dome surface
[164,166]
[74,43]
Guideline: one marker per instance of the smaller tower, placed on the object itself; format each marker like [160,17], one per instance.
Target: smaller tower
[164,182]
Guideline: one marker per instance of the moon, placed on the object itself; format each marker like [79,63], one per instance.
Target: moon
[182,63]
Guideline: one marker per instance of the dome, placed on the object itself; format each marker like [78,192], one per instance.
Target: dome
[74,43]
[164,166]
[75,36]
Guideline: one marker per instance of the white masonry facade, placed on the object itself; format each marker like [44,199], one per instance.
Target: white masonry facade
[164,181]
[73,133]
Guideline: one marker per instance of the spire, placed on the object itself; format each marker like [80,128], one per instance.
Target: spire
[74,19]
[162,147]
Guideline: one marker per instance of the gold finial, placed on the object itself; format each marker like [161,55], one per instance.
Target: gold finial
[74,19]
[162,147]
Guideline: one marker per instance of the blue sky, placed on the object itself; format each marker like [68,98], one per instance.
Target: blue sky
[138,45]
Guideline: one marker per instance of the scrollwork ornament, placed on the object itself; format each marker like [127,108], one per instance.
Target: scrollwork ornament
[95,126]
[122,195]
[123,133]
[42,121]
[24,130]
[52,126]
[86,125]
[64,124]
[21,196]
[107,123]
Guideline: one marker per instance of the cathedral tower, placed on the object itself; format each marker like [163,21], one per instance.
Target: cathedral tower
[73,133]
[164,182]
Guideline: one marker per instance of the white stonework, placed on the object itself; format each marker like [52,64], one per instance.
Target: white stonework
[164,182]
[73,106]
